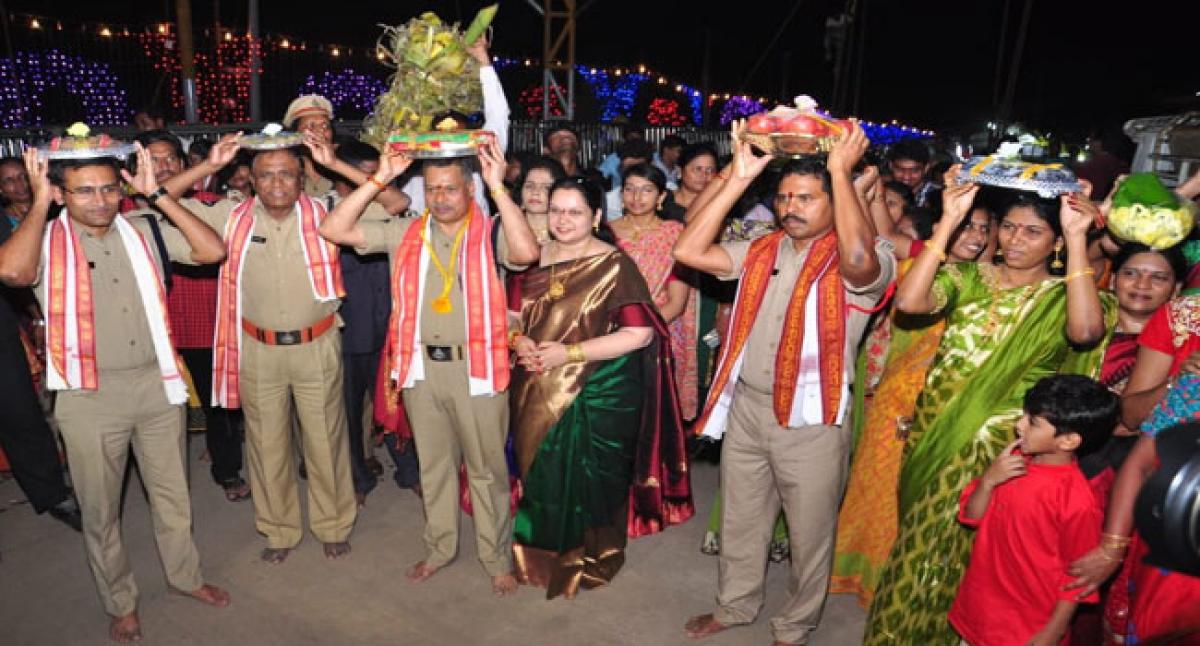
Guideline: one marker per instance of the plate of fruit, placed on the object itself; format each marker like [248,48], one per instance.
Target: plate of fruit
[793,132]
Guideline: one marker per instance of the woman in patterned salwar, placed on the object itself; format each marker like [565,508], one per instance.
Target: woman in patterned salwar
[1007,326]
[595,419]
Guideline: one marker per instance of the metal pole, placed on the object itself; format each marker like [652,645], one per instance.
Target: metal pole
[255,63]
[187,63]
[1015,68]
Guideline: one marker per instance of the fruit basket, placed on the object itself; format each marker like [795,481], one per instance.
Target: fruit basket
[793,132]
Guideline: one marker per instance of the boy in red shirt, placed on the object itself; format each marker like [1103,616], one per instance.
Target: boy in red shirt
[1035,513]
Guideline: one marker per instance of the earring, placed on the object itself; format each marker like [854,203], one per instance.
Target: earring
[596,228]
[1057,263]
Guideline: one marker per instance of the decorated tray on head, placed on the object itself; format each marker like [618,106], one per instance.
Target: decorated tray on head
[1006,170]
[435,75]
[79,143]
[1145,211]
[272,137]
[793,132]
[449,140]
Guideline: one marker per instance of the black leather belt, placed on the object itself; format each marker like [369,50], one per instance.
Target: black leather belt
[444,352]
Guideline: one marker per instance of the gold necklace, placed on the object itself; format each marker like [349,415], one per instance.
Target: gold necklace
[638,230]
[441,304]
[557,289]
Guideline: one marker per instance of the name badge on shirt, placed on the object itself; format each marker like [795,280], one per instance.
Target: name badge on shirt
[258,239]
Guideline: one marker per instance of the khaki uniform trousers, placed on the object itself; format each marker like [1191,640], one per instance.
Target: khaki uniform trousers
[304,380]
[130,408]
[764,465]
[450,428]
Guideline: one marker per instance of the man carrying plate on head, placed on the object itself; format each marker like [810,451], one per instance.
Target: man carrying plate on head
[447,346]
[110,354]
[277,348]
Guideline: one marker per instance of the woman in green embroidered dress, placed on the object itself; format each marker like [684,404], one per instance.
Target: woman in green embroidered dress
[1008,325]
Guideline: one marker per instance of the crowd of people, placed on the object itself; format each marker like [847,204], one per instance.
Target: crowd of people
[939,398]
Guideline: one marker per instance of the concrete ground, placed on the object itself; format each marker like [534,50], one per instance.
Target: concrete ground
[47,596]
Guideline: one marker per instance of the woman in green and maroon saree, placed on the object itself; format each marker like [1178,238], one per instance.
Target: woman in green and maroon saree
[1006,327]
[595,422]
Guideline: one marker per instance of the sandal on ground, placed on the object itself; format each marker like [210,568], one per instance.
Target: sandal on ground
[236,490]
[275,555]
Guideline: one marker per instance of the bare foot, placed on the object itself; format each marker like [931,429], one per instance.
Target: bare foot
[124,630]
[336,550]
[275,555]
[702,626]
[210,594]
[421,571]
[504,585]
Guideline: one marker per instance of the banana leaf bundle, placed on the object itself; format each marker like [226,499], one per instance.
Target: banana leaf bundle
[434,75]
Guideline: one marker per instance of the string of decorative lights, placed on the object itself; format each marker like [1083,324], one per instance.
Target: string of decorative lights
[92,84]
[223,84]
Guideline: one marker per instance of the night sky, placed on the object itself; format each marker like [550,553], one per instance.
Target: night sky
[928,63]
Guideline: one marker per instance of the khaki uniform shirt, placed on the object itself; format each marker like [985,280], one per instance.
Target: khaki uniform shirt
[436,329]
[758,366]
[276,291]
[122,331]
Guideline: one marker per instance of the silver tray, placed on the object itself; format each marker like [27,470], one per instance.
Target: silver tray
[1007,175]
[117,150]
[273,142]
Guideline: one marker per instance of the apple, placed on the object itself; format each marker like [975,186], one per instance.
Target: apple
[805,125]
[762,124]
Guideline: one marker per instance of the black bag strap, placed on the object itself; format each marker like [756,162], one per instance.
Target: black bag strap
[161,245]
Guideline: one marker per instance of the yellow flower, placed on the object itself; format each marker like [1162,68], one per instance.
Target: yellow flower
[78,129]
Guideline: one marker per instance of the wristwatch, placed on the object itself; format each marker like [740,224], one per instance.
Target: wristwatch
[158,193]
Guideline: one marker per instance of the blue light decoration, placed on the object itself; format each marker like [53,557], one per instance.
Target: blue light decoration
[346,89]
[885,134]
[739,107]
[696,100]
[616,93]
[94,84]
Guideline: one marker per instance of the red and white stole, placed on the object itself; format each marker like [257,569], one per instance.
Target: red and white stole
[486,323]
[324,275]
[70,321]
[810,379]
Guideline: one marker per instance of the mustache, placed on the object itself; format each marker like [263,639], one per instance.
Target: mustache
[794,218]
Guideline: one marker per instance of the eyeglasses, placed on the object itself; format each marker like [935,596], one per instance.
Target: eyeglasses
[317,125]
[644,190]
[90,191]
[786,198]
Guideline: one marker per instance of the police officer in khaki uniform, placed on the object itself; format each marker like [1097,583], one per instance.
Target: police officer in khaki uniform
[129,403]
[450,426]
[798,464]
[290,361]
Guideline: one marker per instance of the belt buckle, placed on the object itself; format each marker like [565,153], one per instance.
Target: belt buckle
[290,337]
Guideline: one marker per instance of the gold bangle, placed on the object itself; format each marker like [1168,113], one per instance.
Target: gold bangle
[378,184]
[1079,274]
[1116,538]
[575,354]
[498,191]
[941,255]
[513,335]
